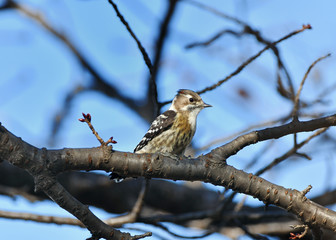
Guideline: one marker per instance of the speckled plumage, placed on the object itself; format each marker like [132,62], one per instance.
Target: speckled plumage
[173,130]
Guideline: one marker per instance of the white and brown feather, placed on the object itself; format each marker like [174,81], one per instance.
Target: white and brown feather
[160,124]
[172,131]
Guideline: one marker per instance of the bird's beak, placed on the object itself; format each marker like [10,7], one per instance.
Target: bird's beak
[205,105]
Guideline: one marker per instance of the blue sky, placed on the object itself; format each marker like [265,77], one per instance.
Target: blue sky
[37,69]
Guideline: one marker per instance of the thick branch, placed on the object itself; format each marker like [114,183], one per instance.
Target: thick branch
[65,200]
[240,142]
[100,191]
[210,168]
[36,162]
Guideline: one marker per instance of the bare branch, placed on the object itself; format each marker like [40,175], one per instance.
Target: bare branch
[247,62]
[40,218]
[161,226]
[210,168]
[214,38]
[216,12]
[99,83]
[141,48]
[65,200]
[46,182]
[135,213]
[240,142]
[297,96]
[140,201]
[248,29]
[13,192]
[290,152]
[160,42]
[87,120]
[152,95]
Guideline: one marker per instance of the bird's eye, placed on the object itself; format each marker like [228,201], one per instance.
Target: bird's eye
[191,100]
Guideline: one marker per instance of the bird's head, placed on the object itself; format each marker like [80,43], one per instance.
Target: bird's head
[188,101]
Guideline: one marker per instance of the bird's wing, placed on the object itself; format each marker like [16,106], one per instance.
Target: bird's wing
[159,125]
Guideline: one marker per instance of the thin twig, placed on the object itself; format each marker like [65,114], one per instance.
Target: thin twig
[41,218]
[140,201]
[248,30]
[147,234]
[247,62]
[216,12]
[307,190]
[160,42]
[259,154]
[214,38]
[134,214]
[297,96]
[156,234]
[13,192]
[141,48]
[159,225]
[290,152]
[87,120]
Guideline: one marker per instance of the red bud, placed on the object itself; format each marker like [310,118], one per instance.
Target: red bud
[112,141]
[308,26]
[88,116]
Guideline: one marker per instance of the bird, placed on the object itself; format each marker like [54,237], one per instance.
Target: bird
[172,131]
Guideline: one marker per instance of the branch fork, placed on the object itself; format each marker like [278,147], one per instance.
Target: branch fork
[87,120]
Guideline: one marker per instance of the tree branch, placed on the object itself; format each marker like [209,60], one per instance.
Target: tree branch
[240,142]
[290,152]
[99,83]
[36,162]
[152,94]
[40,218]
[247,62]
[209,168]
[297,96]
[141,48]
[248,29]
